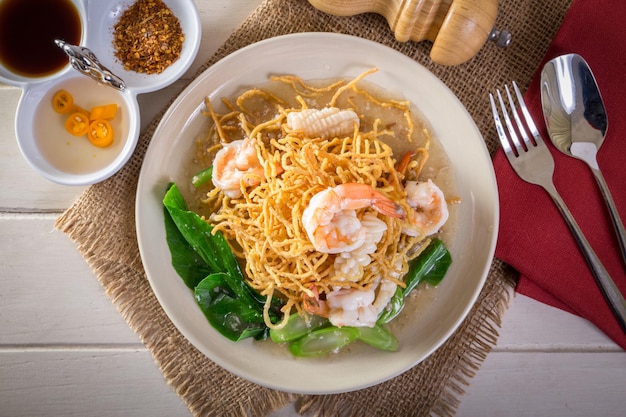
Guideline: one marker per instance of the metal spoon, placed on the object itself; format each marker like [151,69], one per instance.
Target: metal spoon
[577,122]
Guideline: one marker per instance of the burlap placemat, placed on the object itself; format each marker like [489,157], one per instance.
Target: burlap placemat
[102,223]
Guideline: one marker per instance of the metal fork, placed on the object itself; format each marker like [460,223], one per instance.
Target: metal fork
[532,161]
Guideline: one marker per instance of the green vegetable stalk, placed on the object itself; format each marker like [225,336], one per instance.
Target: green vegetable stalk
[202,177]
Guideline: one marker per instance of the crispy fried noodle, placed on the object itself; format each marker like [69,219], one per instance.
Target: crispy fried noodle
[272,171]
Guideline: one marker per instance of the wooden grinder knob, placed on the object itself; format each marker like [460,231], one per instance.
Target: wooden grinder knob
[457,28]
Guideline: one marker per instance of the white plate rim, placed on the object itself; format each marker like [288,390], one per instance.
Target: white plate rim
[335,55]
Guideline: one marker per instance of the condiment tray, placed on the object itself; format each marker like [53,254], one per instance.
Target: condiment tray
[42,139]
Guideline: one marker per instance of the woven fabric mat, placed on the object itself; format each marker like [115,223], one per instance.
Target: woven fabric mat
[102,223]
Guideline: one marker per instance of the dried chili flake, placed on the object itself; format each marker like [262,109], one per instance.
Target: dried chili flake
[148,37]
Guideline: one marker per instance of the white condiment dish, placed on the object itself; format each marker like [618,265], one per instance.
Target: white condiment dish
[42,139]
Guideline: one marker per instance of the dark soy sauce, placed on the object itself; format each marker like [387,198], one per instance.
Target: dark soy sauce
[28,29]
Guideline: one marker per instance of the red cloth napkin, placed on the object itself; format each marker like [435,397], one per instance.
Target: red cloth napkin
[533,236]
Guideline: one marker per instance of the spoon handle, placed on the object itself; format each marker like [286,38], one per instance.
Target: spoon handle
[607,286]
[613,213]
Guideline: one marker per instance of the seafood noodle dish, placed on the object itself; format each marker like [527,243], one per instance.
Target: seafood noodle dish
[317,209]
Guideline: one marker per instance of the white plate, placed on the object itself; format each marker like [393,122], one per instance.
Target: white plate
[319,56]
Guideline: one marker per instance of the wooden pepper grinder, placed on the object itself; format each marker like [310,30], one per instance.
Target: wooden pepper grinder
[457,28]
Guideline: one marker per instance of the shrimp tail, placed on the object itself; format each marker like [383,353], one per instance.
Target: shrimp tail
[356,195]
[313,304]
[389,208]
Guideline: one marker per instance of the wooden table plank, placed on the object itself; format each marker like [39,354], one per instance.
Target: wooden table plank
[568,384]
[84,382]
[49,294]
[534,326]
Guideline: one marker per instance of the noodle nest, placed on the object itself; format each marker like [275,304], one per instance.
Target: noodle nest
[264,226]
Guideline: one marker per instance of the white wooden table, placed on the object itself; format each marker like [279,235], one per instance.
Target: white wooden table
[65,351]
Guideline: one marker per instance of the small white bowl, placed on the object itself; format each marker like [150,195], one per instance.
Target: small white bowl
[42,139]
[67,159]
[102,17]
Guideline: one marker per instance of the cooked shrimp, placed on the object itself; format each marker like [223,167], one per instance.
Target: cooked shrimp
[237,164]
[430,210]
[349,265]
[353,307]
[331,221]
[359,308]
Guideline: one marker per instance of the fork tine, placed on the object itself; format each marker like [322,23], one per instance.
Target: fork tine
[518,121]
[507,120]
[504,141]
[527,117]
